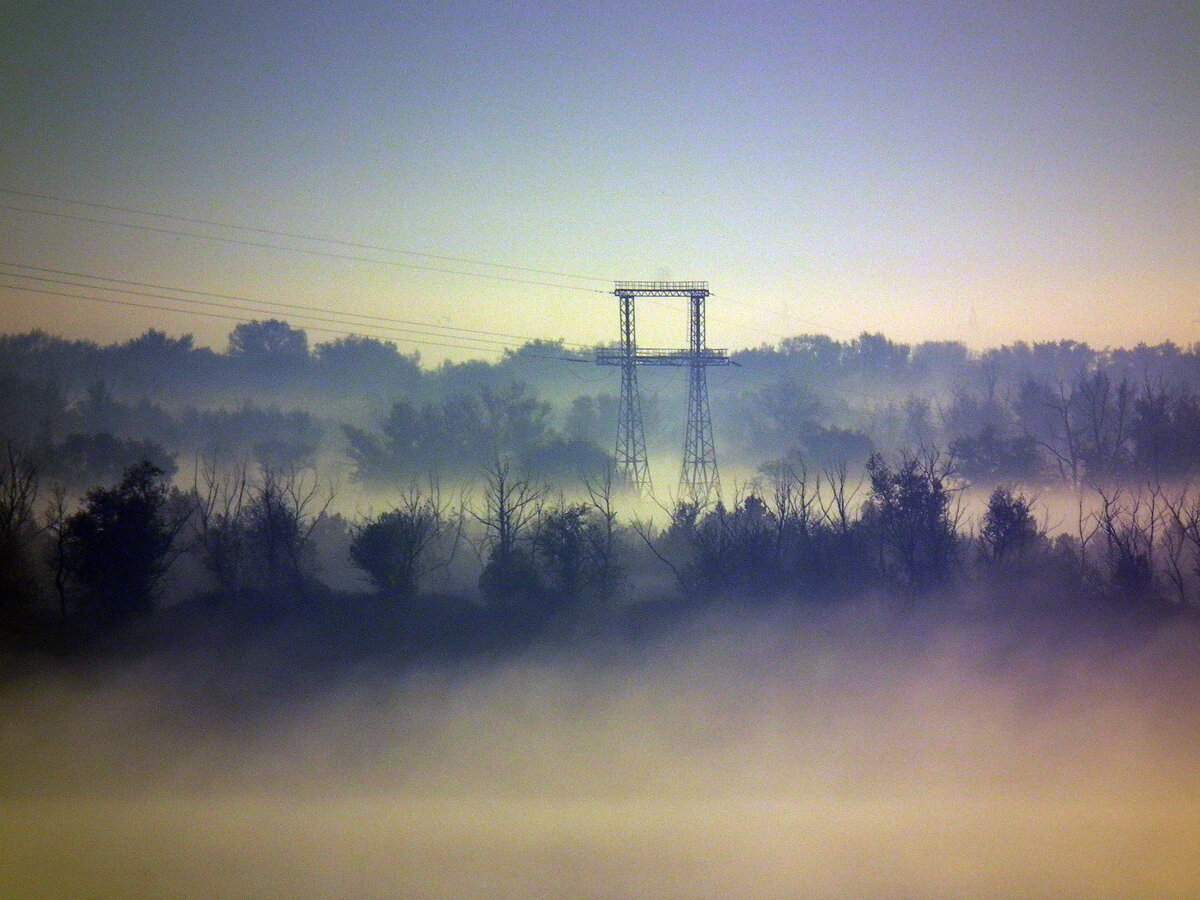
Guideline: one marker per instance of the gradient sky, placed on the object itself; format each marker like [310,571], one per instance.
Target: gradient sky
[982,172]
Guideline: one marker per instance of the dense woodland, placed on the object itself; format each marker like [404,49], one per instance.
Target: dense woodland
[124,464]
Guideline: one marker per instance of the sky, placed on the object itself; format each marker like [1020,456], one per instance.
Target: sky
[480,174]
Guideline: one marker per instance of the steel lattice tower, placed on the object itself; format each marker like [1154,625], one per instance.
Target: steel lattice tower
[631,437]
[698,478]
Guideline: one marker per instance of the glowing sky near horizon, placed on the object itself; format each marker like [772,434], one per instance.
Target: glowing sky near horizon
[979,172]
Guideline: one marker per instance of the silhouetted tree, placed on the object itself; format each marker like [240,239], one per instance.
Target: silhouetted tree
[400,547]
[1009,527]
[512,506]
[18,527]
[363,364]
[153,359]
[910,506]
[1165,431]
[1130,522]
[563,547]
[1182,540]
[119,544]
[603,535]
[875,355]
[220,525]
[81,459]
[283,509]
[56,517]
[991,454]
[273,339]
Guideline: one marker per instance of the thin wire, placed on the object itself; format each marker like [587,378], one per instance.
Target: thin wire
[214,315]
[305,250]
[301,236]
[255,308]
[249,300]
[762,331]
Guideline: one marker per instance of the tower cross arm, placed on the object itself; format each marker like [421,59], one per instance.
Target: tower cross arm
[647,356]
[660,288]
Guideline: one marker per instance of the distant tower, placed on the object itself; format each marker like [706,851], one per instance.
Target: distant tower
[698,478]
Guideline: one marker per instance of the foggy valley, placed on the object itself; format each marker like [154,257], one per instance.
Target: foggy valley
[938,638]
[357,539]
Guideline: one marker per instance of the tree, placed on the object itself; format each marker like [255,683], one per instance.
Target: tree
[910,506]
[512,506]
[118,546]
[400,547]
[1084,425]
[220,525]
[154,358]
[1009,527]
[603,534]
[875,355]
[18,526]
[272,341]
[366,364]
[563,547]
[1130,522]
[284,507]
[81,459]
[989,454]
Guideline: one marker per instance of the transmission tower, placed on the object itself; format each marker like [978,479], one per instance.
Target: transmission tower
[698,478]
[631,437]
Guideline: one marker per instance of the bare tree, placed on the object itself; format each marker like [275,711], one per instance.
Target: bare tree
[512,508]
[1130,522]
[283,508]
[1104,411]
[1048,417]
[18,524]
[402,546]
[1087,526]
[1182,539]
[56,516]
[602,536]
[220,524]
[835,509]
[792,504]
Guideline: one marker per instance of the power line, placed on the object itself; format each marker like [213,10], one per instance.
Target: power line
[293,235]
[386,320]
[458,345]
[305,250]
[296,235]
[247,309]
[300,236]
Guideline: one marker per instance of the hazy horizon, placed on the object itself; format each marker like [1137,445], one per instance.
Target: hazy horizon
[929,171]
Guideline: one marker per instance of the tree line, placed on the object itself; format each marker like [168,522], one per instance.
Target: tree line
[1050,412]
[256,532]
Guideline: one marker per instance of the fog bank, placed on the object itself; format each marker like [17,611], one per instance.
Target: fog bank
[858,753]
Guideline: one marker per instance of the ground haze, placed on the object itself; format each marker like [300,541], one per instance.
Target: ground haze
[867,752]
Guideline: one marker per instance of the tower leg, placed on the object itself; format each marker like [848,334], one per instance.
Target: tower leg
[631,439]
[698,479]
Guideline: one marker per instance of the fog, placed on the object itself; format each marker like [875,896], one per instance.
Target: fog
[869,751]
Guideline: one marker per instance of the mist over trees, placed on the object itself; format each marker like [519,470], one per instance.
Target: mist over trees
[1053,412]
[127,462]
